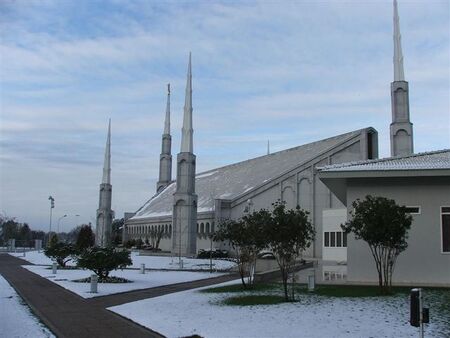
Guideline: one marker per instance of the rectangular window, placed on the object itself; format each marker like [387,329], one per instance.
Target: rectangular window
[445,223]
[344,239]
[327,239]
[339,239]
[413,210]
[333,239]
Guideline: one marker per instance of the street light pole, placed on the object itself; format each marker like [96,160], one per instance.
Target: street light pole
[52,206]
[59,221]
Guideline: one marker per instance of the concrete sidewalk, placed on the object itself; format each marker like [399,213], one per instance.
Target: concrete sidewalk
[69,315]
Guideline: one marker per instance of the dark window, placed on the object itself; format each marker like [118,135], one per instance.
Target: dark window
[327,239]
[344,239]
[333,239]
[413,210]
[445,214]
[339,239]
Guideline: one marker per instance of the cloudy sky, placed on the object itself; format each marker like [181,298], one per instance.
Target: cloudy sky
[290,72]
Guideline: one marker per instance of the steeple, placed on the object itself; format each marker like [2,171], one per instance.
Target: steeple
[401,129]
[187,131]
[399,74]
[184,236]
[167,120]
[165,158]
[104,213]
[107,162]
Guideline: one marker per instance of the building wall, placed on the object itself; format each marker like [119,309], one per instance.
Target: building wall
[423,261]
[303,187]
[332,220]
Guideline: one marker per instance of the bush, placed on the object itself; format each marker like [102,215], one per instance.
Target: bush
[61,252]
[86,238]
[206,254]
[130,243]
[103,260]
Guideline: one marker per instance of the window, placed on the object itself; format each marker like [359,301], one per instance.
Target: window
[207,228]
[445,224]
[335,239]
[413,210]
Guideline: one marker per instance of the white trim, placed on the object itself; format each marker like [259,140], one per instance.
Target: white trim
[441,229]
[414,206]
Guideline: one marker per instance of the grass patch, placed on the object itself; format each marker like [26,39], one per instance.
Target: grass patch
[240,288]
[351,291]
[254,300]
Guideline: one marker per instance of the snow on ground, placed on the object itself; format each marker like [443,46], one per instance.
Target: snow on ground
[140,281]
[151,262]
[16,319]
[34,257]
[172,263]
[191,312]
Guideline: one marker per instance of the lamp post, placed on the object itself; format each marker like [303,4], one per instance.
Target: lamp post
[59,221]
[52,206]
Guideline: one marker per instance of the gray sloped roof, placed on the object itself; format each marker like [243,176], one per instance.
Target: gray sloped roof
[236,179]
[422,161]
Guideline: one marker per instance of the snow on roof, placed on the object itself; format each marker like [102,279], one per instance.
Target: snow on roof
[234,180]
[422,161]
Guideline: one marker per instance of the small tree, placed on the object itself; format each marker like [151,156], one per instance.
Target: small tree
[246,236]
[155,236]
[384,226]
[103,260]
[86,237]
[53,240]
[289,234]
[61,252]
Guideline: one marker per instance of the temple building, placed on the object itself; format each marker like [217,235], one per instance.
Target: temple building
[321,177]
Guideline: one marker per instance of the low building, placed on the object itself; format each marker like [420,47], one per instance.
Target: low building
[420,182]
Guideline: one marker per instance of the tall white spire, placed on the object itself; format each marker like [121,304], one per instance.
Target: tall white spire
[399,74]
[167,120]
[187,131]
[107,163]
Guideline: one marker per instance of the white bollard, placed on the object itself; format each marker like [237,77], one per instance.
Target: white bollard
[54,268]
[143,268]
[94,281]
[311,283]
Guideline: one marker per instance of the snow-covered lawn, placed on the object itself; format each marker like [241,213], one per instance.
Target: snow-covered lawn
[140,281]
[16,320]
[151,262]
[172,263]
[191,312]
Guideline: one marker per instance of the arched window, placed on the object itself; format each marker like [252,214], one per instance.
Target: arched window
[166,229]
[207,228]
[170,229]
[212,226]
[197,228]
[202,228]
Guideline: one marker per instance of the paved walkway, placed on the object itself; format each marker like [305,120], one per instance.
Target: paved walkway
[69,315]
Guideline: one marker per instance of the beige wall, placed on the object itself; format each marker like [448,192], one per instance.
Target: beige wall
[422,262]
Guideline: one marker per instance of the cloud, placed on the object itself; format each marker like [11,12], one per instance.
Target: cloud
[293,74]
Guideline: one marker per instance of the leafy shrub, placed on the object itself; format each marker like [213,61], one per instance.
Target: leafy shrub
[61,252]
[86,238]
[103,260]
[206,254]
